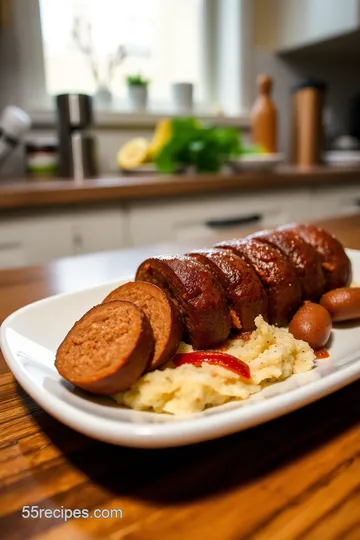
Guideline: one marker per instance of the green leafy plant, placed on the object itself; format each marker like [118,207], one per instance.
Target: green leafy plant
[202,146]
[136,80]
[254,149]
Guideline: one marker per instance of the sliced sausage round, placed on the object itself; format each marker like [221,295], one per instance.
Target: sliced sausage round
[108,349]
[164,317]
[335,263]
[199,297]
[276,273]
[304,258]
[245,294]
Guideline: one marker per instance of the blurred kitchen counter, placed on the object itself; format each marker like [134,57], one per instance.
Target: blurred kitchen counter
[22,194]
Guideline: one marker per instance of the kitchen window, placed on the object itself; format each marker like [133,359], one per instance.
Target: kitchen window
[86,45]
[120,38]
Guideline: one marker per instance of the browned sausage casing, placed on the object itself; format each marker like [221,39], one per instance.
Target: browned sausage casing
[312,323]
[335,262]
[245,294]
[197,294]
[162,313]
[343,304]
[304,258]
[108,349]
[276,273]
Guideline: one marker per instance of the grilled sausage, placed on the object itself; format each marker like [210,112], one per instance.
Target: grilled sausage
[108,349]
[162,313]
[197,294]
[335,263]
[276,273]
[304,258]
[245,294]
[311,323]
[342,304]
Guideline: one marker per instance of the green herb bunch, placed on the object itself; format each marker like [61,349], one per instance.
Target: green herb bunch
[136,80]
[204,147]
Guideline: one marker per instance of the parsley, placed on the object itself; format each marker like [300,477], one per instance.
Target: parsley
[204,147]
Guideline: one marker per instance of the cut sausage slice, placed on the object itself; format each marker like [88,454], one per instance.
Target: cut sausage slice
[276,273]
[162,313]
[197,294]
[245,294]
[304,258]
[335,263]
[108,349]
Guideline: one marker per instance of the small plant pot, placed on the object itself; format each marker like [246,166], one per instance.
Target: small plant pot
[138,97]
[182,97]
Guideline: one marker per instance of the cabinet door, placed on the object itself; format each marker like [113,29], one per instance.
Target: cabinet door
[98,230]
[38,238]
[339,201]
[12,245]
[301,23]
[33,239]
[179,220]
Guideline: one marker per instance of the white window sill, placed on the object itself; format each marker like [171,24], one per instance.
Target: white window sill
[121,120]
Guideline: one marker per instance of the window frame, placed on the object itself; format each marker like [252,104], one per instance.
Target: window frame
[227,79]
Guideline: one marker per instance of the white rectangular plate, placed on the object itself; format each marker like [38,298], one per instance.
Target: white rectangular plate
[31,335]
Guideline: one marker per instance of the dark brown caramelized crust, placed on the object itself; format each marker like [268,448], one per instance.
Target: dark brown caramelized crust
[196,293]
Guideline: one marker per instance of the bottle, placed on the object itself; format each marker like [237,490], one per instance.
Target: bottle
[264,117]
[307,129]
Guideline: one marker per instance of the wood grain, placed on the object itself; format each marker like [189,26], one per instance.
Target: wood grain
[295,477]
[28,194]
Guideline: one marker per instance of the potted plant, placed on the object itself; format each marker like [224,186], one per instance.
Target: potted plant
[138,92]
[83,39]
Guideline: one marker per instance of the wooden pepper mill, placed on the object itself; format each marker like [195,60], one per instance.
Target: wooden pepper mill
[264,117]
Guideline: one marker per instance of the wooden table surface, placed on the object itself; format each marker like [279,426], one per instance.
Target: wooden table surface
[295,477]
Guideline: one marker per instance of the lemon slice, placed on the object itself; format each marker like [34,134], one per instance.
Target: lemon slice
[162,135]
[133,153]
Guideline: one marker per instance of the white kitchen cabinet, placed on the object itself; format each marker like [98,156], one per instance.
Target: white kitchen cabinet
[33,239]
[338,201]
[199,217]
[285,25]
[309,21]
[43,236]
[99,230]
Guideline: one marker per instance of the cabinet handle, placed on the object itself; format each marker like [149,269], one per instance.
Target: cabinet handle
[233,222]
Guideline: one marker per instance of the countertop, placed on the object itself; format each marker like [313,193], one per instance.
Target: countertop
[294,477]
[31,193]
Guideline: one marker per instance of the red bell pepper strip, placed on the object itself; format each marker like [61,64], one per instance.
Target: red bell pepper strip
[217,358]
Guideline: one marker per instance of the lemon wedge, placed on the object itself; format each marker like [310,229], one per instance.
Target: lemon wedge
[162,135]
[133,153]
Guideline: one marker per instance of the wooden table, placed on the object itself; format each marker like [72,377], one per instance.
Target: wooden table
[295,477]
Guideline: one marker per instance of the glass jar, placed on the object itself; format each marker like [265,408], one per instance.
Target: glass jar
[41,157]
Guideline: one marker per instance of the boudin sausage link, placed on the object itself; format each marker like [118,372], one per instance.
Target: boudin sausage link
[303,257]
[197,294]
[335,263]
[162,313]
[108,349]
[245,294]
[276,273]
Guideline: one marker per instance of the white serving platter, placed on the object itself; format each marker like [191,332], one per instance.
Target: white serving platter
[31,335]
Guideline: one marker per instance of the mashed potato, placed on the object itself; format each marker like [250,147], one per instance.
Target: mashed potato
[272,354]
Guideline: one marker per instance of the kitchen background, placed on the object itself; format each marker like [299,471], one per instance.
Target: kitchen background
[220,46]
